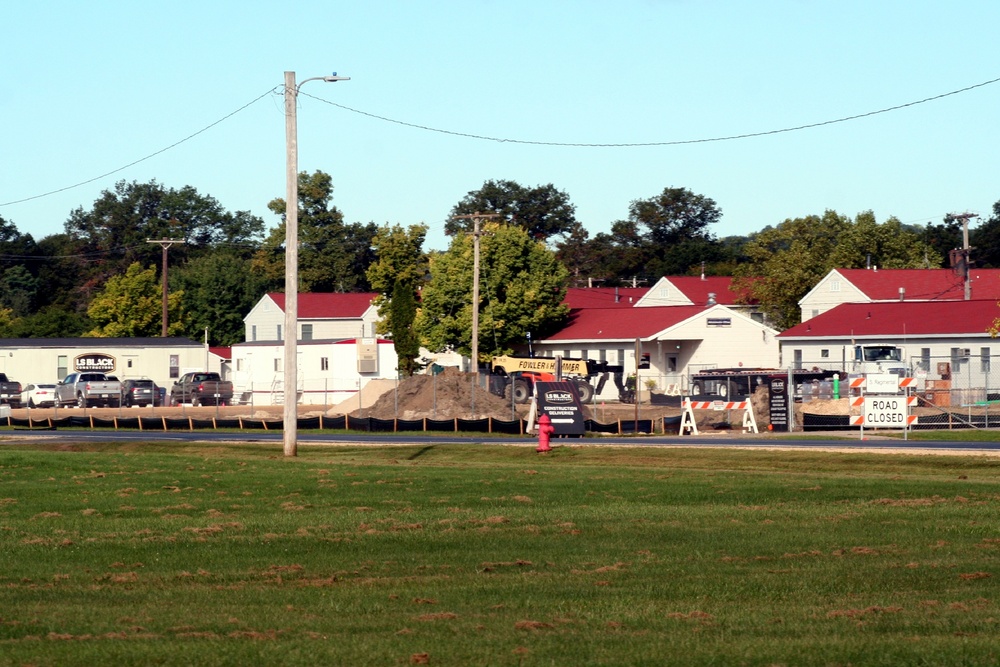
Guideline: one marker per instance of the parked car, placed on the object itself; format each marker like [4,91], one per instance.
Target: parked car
[10,391]
[39,395]
[201,388]
[86,389]
[141,392]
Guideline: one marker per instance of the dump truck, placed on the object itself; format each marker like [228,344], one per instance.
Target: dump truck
[514,377]
[862,359]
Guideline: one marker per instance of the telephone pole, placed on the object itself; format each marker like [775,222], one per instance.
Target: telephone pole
[165,244]
[475,217]
[964,217]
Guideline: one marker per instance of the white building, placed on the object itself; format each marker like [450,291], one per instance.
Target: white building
[943,340]
[48,360]
[338,352]
[321,316]
[888,285]
[329,371]
[679,341]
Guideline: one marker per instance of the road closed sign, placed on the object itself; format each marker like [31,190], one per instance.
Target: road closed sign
[885,411]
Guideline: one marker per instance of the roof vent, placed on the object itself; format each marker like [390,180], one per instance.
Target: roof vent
[902,293]
[711,299]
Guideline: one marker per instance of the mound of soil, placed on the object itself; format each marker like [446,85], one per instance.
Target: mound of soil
[446,395]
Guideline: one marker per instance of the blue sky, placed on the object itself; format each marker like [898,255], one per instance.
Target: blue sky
[92,87]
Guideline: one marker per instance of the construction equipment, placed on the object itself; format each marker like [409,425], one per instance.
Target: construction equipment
[731,383]
[515,377]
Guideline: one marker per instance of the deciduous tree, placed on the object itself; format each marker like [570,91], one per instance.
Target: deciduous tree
[397,274]
[785,262]
[668,234]
[218,290]
[542,211]
[131,305]
[333,256]
[985,239]
[522,287]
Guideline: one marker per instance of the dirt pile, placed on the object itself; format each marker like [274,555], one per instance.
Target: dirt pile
[444,396]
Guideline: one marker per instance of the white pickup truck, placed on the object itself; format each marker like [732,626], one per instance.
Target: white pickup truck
[89,389]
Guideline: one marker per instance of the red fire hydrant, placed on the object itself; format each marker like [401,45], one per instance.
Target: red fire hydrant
[545,430]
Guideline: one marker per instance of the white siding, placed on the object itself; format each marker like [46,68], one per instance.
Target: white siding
[255,371]
[32,363]
[831,291]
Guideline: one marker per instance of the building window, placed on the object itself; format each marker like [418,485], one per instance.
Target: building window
[279,332]
[604,355]
[621,357]
[307,332]
[757,317]
[62,366]
[664,292]
[175,366]
[815,312]
[798,359]
[253,332]
[925,359]
[984,359]
[566,354]
[825,354]
[277,365]
[324,363]
[834,285]
[239,364]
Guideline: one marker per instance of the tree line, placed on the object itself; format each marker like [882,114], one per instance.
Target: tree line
[101,275]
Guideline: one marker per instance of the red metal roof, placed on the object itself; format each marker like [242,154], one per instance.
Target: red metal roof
[899,319]
[923,284]
[622,323]
[603,297]
[329,305]
[223,352]
[697,289]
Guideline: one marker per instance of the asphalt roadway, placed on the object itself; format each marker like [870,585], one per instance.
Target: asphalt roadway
[871,442]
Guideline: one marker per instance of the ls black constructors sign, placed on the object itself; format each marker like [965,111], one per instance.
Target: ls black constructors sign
[561,403]
[94,363]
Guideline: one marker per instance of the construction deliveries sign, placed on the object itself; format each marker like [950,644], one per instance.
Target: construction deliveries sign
[561,403]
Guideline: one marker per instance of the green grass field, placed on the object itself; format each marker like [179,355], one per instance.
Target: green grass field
[491,555]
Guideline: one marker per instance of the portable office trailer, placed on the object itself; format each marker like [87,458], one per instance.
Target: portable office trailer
[42,360]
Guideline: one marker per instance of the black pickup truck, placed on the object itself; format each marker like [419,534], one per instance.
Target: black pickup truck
[200,389]
[10,391]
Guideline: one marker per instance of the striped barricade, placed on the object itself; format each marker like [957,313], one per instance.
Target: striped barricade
[689,425]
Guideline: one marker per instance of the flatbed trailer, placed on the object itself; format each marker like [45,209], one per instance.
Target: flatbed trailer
[732,383]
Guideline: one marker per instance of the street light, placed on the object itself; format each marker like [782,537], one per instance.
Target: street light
[291,332]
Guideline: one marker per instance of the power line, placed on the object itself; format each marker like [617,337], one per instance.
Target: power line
[678,142]
[480,137]
[143,159]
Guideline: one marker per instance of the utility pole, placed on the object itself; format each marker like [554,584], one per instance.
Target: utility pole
[165,243]
[290,381]
[964,217]
[475,217]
